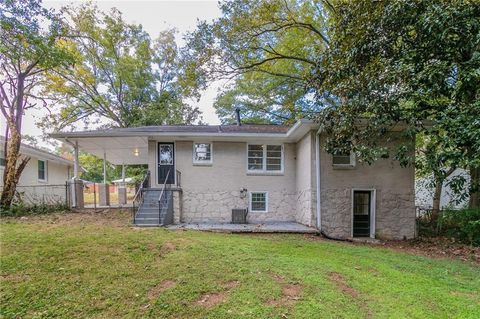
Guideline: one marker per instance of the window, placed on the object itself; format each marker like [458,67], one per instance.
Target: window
[265,158]
[202,153]
[259,202]
[344,160]
[166,154]
[42,170]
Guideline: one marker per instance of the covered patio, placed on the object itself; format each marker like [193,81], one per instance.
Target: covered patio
[113,150]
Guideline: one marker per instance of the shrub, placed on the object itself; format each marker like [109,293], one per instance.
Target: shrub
[20,209]
[461,224]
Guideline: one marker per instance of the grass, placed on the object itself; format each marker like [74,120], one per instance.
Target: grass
[96,266]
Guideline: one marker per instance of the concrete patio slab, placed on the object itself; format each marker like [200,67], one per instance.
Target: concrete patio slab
[280,227]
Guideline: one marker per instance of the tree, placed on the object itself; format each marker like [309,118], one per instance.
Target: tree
[29,47]
[270,49]
[121,78]
[405,63]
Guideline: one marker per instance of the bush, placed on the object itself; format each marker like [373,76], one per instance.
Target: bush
[463,225]
[20,209]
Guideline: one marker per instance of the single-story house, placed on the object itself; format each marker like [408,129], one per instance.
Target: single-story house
[279,173]
[43,179]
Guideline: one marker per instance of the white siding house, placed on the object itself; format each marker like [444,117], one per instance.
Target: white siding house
[44,177]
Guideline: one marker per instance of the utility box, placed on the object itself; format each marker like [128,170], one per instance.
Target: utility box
[239,216]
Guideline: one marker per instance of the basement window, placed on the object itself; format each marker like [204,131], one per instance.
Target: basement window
[258,202]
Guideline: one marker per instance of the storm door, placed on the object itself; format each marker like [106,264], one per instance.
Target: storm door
[166,163]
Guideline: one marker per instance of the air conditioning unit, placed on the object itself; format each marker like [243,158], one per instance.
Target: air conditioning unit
[239,216]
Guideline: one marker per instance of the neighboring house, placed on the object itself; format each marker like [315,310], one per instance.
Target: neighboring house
[280,173]
[43,179]
[424,192]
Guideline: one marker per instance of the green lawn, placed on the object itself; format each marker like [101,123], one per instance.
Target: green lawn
[84,266]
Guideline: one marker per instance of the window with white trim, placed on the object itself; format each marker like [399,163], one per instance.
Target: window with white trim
[42,170]
[265,158]
[202,153]
[343,160]
[258,202]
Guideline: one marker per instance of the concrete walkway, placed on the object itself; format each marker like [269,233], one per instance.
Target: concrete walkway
[280,227]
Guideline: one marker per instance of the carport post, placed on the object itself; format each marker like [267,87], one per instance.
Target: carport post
[122,189]
[77,193]
[76,162]
[103,189]
[104,167]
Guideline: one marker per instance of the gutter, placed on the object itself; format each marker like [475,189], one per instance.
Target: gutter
[289,135]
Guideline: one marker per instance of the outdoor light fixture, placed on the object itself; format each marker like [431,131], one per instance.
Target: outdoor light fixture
[136,152]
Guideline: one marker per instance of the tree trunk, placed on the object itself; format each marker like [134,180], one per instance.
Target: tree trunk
[474,201]
[437,195]
[12,172]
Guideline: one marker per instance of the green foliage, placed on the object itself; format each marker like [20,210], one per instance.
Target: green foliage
[93,170]
[21,209]
[412,65]
[29,38]
[121,76]
[462,224]
[270,49]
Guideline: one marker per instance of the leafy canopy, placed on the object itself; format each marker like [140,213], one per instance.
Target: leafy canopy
[121,76]
[267,50]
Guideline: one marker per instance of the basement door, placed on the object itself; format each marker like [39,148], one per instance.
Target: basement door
[362,211]
[166,163]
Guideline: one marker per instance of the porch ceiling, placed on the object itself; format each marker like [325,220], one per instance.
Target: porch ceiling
[118,150]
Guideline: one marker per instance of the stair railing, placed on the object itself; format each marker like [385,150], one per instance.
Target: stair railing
[163,197]
[138,198]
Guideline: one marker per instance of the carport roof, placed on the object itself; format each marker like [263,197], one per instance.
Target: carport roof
[130,145]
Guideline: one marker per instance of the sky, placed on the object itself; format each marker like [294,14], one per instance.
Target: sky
[154,16]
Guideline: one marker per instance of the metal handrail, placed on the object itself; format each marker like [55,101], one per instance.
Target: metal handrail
[138,194]
[162,194]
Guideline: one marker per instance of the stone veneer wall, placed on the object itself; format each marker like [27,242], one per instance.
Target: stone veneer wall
[210,192]
[216,207]
[394,206]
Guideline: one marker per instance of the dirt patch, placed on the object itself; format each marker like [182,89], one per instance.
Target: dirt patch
[211,300]
[439,247]
[153,293]
[167,247]
[341,284]
[13,277]
[290,292]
